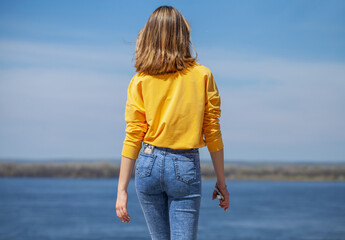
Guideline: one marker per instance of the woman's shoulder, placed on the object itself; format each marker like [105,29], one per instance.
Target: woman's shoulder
[202,68]
[139,77]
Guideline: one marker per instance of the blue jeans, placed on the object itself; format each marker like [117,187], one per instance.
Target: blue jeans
[168,186]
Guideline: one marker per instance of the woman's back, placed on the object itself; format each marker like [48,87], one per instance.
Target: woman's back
[174,110]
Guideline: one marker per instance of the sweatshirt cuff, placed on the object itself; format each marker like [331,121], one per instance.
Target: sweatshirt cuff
[130,151]
[215,145]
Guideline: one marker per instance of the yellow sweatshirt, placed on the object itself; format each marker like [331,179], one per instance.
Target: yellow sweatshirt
[173,110]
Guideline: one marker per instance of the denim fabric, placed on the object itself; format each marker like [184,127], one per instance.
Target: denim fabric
[168,186]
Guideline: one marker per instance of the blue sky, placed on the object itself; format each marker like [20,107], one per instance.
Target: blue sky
[279,66]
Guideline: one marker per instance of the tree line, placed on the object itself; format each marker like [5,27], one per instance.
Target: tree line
[105,169]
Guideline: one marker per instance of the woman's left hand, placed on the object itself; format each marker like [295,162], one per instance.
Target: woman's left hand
[121,206]
[224,203]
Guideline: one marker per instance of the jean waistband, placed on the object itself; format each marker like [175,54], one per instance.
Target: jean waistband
[171,150]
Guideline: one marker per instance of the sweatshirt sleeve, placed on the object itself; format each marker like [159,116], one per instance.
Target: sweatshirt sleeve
[211,126]
[136,120]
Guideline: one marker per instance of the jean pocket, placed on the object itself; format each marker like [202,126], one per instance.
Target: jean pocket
[185,167]
[145,163]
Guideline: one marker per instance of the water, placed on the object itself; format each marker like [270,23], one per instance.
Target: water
[82,209]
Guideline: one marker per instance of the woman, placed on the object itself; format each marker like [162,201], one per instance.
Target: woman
[172,102]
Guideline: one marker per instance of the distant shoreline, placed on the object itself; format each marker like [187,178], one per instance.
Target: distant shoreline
[233,171]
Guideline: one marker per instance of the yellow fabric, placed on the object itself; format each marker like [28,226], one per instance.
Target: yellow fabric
[173,110]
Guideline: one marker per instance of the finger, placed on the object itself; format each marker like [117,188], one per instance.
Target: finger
[225,207]
[221,202]
[118,213]
[126,218]
[214,195]
[125,214]
[122,218]
[224,204]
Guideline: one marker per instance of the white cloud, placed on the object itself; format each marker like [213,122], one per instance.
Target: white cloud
[65,55]
[292,103]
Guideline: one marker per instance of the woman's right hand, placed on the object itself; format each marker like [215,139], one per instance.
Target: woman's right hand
[224,203]
[121,206]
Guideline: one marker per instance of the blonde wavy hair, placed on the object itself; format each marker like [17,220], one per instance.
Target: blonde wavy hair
[163,45]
